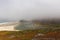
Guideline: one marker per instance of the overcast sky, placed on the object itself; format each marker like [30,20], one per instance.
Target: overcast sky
[29,9]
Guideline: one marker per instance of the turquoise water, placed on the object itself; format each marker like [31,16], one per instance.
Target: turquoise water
[2,21]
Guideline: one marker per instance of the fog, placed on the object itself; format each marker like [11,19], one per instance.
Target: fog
[29,9]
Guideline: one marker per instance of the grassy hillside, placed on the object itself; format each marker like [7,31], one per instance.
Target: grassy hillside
[17,35]
[50,28]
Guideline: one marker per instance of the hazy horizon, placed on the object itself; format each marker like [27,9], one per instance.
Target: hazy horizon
[29,9]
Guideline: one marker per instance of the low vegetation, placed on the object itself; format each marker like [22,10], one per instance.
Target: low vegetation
[50,29]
